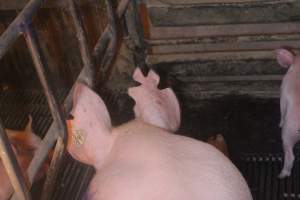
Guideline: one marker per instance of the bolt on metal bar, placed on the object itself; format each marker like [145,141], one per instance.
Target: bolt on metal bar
[12,167]
[10,35]
[83,42]
[51,135]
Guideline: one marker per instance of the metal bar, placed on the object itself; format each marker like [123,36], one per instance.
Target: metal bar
[10,35]
[57,114]
[45,78]
[102,41]
[112,45]
[83,42]
[222,30]
[12,167]
[53,171]
[52,135]
[136,33]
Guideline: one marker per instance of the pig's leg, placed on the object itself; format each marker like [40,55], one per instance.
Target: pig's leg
[283,109]
[289,139]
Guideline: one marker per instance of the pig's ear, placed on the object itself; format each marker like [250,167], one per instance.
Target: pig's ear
[87,102]
[173,108]
[138,75]
[284,57]
[154,77]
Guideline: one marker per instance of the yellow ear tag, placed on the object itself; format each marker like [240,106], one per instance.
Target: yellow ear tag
[79,135]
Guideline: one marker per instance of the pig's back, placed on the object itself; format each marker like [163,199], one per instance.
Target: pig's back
[149,163]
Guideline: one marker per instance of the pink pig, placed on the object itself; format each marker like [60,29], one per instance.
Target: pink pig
[24,144]
[290,107]
[142,159]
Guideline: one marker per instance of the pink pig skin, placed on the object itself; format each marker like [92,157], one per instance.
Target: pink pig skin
[141,161]
[290,107]
[24,145]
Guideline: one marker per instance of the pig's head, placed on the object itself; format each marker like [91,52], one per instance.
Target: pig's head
[152,105]
[286,58]
[89,132]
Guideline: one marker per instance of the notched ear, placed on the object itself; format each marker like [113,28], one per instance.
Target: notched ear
[153,77]
[285,57]
[88,106]
[172,106]
[138,75]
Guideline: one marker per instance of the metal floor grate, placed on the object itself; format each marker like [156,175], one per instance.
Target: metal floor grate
[261,173]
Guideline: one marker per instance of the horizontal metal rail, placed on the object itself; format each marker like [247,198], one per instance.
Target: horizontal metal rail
[12,167]
[10,35]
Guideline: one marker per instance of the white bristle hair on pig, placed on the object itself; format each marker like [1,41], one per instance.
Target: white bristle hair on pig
[289,107]
[142,159]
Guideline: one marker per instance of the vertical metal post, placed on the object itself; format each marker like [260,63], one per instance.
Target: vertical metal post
[136,33]
[57,114]
[12,167]
[83,44]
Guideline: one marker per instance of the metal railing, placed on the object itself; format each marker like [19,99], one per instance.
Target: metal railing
[104,50]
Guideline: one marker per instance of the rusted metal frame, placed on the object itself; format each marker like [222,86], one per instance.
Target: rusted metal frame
[111,49]
[57,114]
[136,33]
[52,135]
[250,78]
[83,42]
[102,42]
[10,35]
[12,167]
[222,30]
[56,163]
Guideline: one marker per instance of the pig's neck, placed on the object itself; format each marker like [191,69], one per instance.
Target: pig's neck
[105,150]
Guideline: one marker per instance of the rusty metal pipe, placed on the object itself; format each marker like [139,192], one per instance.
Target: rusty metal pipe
[102,41]
[83,43]
[10,35]
[12,167]
[112,45]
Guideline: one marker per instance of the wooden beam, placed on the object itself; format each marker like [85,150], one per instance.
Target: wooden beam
[223,47]
[19,4]
[155,59]
[231,78]
[164,3]
[223,30]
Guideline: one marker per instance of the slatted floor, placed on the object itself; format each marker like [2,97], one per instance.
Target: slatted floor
[260,170]
[261,173]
